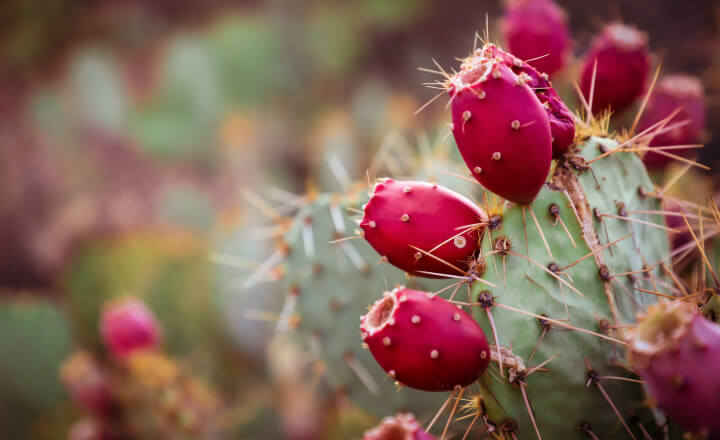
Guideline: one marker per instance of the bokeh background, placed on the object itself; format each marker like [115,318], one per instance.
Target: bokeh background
[133,133]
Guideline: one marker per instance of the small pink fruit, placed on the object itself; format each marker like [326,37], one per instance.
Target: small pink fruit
[623,65]
[500,126]
[537,30]
[673,92]
[127,326]
[398,427]
[677,353]
[424,341]
[427,216]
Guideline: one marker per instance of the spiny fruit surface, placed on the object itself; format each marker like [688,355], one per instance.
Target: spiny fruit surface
[401,426]
[501,128]
[537,30]
[128,326]
[623,64]
[677,352]
[674,92]
[404,216]
[593,294]
[424,341]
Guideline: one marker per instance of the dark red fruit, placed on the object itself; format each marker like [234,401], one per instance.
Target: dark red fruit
[427,216]
[623,66]
[537,30]
[424,341]
[500,126]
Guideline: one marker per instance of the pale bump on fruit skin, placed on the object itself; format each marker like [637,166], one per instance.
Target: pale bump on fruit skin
[514,157]
[623,67]
[128,325]
[435,345]
[424,215]
[676,349]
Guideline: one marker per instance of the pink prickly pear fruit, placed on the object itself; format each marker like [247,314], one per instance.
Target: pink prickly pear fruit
[424,341]
[447,225]
[537,30]
[501,128]
[402,426]
[128,326]
[623,65]
[562,122]
[684,92]
[677,353]
[87,384]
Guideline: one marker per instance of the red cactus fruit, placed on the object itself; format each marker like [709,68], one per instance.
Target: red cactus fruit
[537,30]
[398,427]
[427,216]
[677,352]
[500,126]
[127,326]
[673,92]
[87,384]
[562,122]
[623,65]
[424,341]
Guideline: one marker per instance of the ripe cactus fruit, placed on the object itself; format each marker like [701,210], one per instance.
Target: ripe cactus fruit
[398,427]
[127,326]
[424,341]
[537,30]
[405,219]
[500,126]
[674,92]
[676,350]
[623,64]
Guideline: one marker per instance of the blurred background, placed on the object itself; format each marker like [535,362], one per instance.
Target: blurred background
[133,134]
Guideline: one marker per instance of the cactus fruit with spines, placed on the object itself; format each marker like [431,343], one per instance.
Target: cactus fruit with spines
[403,219]
[424,341]
[500,127]
[674,348]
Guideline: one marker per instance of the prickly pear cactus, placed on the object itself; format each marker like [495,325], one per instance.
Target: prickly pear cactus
[580,213]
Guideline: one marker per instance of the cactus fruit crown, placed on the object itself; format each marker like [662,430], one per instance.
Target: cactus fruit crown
[660,328]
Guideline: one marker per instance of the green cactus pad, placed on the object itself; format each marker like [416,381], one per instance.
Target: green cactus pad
[560,397]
